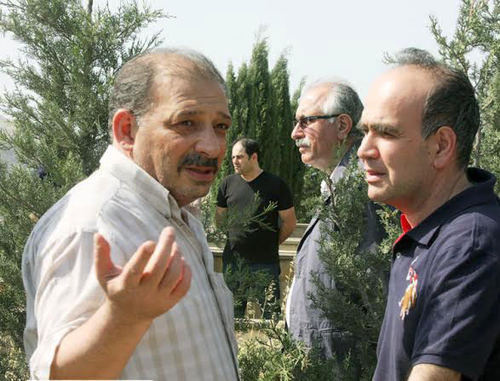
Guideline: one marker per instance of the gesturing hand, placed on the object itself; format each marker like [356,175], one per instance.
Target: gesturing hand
[154,279]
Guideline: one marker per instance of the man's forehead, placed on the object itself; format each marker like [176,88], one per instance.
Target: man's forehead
[190,96]
[409,82]
[399,91]
[238,148]
[311,100]
[165,82]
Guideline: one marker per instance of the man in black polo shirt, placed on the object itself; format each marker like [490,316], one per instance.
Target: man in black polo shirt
[256,245]
[442,319]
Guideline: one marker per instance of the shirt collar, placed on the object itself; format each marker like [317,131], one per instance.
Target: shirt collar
[480,192]
[141,182]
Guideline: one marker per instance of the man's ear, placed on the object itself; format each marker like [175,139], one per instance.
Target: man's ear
[443,146]
[124,129]
[344,126]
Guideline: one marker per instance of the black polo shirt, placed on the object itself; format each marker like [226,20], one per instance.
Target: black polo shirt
[443,303]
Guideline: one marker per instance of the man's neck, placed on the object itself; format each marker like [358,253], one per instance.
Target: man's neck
[250,176]
[444,189]
[337,156]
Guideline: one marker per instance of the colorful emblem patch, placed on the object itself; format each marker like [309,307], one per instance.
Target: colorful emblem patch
[409,299]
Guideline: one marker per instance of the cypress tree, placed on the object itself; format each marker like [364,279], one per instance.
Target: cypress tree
[262,126]
[283,119]
[244,96]
[234,110]
[58,112]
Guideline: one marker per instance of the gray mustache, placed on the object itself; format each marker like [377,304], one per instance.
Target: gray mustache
[198,160]
[305,142]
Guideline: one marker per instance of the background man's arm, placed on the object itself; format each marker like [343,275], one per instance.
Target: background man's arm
[152,282]
[289,221]
[219,215]
[430,372]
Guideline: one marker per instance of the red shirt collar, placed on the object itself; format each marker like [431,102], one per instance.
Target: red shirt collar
[405,225]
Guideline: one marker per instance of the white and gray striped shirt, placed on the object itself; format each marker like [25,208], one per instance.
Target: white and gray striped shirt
[192,341]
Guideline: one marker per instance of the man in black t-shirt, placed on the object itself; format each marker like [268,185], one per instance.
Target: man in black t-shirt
[247,194]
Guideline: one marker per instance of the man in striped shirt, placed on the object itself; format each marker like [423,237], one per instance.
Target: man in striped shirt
[118,275]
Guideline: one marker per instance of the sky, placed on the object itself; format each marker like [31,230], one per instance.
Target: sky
[322,39]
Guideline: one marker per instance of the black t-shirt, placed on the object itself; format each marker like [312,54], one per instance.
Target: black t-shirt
[254,243]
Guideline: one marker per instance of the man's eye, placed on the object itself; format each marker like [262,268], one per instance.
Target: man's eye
[187,123]
[222,126]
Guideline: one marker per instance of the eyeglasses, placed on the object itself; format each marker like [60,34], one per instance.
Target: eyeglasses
[307,120]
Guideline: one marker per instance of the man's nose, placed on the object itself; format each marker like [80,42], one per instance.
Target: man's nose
[210,143]
[297,132]
[367,149]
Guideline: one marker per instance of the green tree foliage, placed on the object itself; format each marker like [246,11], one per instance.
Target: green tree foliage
[475,49]
[305,179]
[271,354]
[262,127]
[226,167]
[59,113]
[244,95]
[310,196]
[289,168]
[357,303]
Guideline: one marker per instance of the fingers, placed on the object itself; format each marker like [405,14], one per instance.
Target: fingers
[133,270]
[174,270]
[160,265]
[176,274]
[182,286]
[160,258]
[104,266]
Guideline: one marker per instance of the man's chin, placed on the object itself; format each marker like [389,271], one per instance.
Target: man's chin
[190,194]
[378,194]
[306,159]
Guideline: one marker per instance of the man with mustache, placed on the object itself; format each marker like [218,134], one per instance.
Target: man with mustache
[442,319]
[119,277]
[326,135]
[256,246]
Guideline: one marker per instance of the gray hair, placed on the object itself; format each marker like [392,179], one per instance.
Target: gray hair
[132,89]
[451,102]
[341,98]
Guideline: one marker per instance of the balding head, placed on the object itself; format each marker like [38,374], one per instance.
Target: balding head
[450,100]
[136,81]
